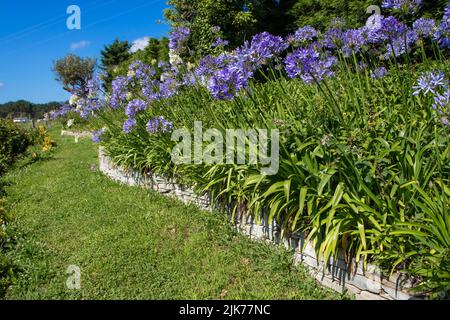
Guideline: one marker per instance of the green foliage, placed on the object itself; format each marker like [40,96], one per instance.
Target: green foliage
[14,141]
[320,13]
[74,72]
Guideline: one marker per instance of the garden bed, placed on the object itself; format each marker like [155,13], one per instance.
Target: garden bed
[365,283]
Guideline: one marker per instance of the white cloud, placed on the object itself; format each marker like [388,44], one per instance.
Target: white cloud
[2,84]
[139,44]
[79,45]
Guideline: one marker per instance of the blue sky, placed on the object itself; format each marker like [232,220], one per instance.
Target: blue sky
[34,33]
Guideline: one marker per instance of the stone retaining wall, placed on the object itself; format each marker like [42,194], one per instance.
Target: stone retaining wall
[76,134]
[369,284]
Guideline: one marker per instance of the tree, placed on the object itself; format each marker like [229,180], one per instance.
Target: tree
[234,17]
[74,72]
[320,13]
[114,54]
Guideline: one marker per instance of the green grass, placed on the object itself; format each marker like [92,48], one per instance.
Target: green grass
[132,243]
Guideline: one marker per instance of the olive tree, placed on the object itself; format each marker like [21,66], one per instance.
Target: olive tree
[74,72]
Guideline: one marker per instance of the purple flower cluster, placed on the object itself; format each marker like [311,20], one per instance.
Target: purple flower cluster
[309,66]
[437,84]
[353,40]
[178,37]
[406,6]
[97,135]
[129,124]
[303,35]
[379,73]
[134,107]
[63,110]
[429,81]
[442,35]
[159,124]
[424,27]
[311,57]
[220,43]
[119,90]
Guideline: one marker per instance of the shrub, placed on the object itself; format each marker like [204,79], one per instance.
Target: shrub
[14,141]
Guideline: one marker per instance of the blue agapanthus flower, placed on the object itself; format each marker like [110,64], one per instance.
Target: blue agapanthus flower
[429,81]
[442,35]
[379,73]
[178,37]
[442,101]
[406,6]
[134,107]
[159,124]
[220,43]
[129,124]
[308,65]
[333,38]
[304,34]
[424,27]
[353,40]
[119,92]
[97,135]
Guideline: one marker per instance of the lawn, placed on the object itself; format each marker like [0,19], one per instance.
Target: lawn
[132,243]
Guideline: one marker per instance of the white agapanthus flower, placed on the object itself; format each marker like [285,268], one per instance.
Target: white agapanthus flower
[73,99]
[131,73]
[70,123]
[174,58]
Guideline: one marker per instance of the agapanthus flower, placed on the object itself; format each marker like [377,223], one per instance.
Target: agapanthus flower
[333,38]
[262,47]
[140,71]
[63,110]
[159,124]
[119,92]
[354,40]
[308,65]
[129,124]
[442,101]
[424,27]
[168,86]
[227,82]
[178,37]
[406,6]
[97,135]
[209,64]
[305,34]
[442,35]
[134,107]
[379,73]
[391,29]
[402,44]
[219,42]
[429,82]
[93,87]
